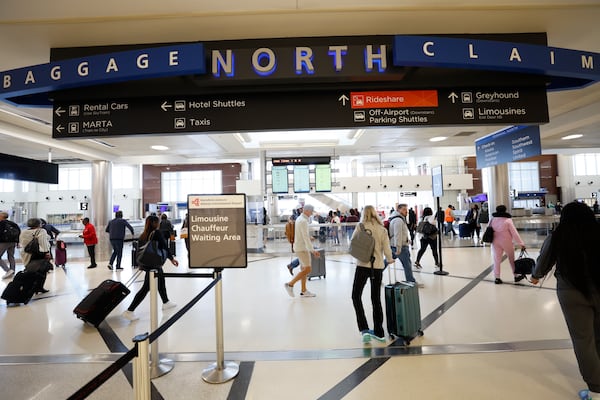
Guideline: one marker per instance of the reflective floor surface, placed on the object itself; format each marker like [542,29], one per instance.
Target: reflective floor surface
[481,340]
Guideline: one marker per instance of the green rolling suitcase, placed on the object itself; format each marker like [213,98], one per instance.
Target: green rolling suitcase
[403,311]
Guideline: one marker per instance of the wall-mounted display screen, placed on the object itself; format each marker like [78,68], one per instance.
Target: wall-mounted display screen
[301,179]
[279,176]
[323,178]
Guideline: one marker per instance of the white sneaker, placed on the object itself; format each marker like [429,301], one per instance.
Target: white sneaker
[307,294]
[168,305]
[8,274]
[130,315]
[289,289]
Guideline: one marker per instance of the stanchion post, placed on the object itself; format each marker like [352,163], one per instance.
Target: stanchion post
[141,371]
[158,367]
[440,271]
[220,371]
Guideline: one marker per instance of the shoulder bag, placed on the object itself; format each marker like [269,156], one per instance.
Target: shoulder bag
[150,254]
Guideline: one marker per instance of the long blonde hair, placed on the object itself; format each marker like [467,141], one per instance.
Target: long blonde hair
[369,214]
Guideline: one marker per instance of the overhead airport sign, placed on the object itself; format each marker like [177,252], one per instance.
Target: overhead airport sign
[255,63]
[176,60]
[302,110]
[447,52]
[508,145]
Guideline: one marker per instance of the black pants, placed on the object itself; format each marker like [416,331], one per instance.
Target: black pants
[361,275]
[92,252]
[162,289]
[431,243]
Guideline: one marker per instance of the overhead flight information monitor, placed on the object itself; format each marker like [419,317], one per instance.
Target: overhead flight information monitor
[301,179]
[279,179]
[322,178]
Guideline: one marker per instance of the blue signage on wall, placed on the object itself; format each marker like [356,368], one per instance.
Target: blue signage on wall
[154,62]
[508,145]
[435,51]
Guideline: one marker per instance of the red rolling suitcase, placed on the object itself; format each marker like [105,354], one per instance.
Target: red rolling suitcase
[101,301]
[60,254]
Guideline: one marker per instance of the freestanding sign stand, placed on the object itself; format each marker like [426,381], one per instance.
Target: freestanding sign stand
[217,234]
[220,371]
[437,188]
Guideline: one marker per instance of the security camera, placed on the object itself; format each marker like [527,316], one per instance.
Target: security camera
[85,197]
[368,186]
[385,186]
[449,184]
[401,186]
[124,196]
[73,197]
[577,183]
[590,182]
[60,198]
[47,198]
[344,187]
[417,185]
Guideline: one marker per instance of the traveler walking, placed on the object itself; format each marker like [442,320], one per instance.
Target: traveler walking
[505,234]
[303,247]
[374,272]
[151,232]
[573,248]
[116,232]
[9,237]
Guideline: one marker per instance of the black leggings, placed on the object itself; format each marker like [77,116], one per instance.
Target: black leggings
[433,244]
[162,290]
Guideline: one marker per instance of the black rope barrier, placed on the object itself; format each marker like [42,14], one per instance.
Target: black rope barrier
[112,369]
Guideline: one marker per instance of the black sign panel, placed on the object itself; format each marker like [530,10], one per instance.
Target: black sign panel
[303,110]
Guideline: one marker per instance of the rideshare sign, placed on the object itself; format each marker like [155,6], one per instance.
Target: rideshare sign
[508,145]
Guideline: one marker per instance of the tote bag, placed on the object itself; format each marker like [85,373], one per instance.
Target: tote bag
[524,265]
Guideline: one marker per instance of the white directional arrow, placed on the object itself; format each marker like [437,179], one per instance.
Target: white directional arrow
[60,128]
[343,98]
[59,111]
[165,106]
[453,96]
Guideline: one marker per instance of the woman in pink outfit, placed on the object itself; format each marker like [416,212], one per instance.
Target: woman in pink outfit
[505,234]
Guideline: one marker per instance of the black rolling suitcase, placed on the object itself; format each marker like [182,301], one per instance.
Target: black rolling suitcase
[464,231]
[101,301]
[22,288]
[403,310]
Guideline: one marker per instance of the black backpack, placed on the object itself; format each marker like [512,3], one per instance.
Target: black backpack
[9,232]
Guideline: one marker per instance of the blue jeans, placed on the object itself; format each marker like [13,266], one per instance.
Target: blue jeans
[117,245]
[404,258]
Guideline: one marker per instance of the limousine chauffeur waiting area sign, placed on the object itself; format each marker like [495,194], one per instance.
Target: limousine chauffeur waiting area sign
[217,231]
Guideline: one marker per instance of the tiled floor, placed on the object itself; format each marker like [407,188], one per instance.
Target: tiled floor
[481,341]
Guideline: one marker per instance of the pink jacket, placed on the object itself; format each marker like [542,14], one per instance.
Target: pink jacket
[505,231]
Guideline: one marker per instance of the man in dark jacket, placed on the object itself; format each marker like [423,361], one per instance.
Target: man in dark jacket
[116,234]
[9,237]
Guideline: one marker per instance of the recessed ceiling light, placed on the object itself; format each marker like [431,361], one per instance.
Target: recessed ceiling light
[159,147]
[569,137]
[438,139]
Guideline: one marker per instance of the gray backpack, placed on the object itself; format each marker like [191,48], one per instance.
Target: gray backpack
[362,244]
